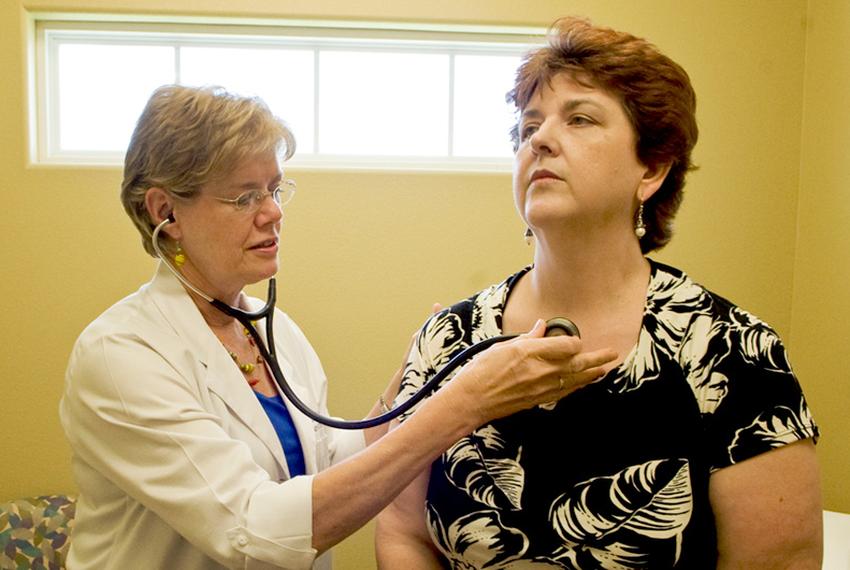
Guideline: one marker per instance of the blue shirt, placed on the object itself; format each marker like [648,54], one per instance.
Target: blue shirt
[282,422]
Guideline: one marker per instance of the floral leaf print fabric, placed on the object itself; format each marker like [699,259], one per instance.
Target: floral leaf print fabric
[771,429]
[616,475]
[479,536]
[672,304]
[704,345]
[759,344]
[487,314]
[651,500]
[486,469]
[439,339]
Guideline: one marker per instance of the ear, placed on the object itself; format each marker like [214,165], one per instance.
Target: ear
[159,204]
[652,180]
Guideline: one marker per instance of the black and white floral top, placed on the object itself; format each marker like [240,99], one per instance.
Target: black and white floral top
[615,475]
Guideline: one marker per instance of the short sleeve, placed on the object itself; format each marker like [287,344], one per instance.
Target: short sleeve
[749,397]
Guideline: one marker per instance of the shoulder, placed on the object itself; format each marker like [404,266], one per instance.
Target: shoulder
[674,296]
[150,335]
[133,318]
[715,342]
[477,317]
[450,331]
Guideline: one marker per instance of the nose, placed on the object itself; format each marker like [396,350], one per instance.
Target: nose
[269,212]
[542,141]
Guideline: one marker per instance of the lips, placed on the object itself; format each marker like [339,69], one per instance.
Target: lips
[269,243]
[543,174]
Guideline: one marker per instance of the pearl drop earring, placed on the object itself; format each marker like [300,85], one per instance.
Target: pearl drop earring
[640,227]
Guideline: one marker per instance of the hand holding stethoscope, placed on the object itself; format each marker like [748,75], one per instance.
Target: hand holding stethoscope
[554,327]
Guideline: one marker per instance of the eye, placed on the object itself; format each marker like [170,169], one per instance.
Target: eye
[246,199]
[276,194]
[580,120]
[526,131]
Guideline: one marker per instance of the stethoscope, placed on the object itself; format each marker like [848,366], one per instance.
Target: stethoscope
[554,327]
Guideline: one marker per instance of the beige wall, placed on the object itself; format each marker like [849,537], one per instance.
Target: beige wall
[365,253]
[821,301]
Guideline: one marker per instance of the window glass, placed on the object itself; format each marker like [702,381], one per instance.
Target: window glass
[370,96]
[102,89]
[393,104]
[283,78]
[482,118]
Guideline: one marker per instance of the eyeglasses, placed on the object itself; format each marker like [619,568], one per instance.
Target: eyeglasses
[250,201]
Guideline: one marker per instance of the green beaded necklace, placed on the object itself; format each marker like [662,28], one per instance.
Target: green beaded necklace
[248,368]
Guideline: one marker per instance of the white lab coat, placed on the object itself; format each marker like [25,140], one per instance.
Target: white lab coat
[176,462]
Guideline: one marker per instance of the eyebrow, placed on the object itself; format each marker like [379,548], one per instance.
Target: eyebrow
[252,185]
[570,105]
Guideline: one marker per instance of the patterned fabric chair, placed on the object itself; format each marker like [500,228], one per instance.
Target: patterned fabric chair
[35,532]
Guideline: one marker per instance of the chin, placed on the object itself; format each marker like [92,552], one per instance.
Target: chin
[263,274]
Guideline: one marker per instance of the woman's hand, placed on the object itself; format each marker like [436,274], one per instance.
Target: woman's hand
[529,370]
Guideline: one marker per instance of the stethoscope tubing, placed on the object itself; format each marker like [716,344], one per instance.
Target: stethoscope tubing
[269,353]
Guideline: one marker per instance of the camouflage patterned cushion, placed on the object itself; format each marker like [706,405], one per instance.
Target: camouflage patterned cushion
[34,532]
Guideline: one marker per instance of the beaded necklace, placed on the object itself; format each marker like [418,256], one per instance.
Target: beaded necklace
[248,368]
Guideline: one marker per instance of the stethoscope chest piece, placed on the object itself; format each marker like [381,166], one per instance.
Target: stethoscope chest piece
[561,326]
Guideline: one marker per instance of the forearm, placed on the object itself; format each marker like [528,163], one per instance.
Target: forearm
[348,495]
[402,539]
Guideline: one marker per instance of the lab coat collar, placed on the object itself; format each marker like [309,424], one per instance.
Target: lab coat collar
[222,377]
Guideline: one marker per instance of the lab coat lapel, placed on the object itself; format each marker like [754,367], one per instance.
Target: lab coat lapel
[240,398]
[222,377]
[305,427]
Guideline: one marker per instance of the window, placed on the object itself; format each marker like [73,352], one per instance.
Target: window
[365,96]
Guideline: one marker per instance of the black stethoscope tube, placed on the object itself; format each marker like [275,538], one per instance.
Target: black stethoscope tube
[269,354]
[558,325]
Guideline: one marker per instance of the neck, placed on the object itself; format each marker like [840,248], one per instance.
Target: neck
[213,317]
[576,279]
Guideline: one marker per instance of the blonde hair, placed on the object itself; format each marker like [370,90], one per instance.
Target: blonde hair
[187,137]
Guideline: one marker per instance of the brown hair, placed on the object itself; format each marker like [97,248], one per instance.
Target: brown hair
[187,137]
[656,94]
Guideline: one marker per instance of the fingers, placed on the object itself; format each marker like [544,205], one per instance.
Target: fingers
[554,348]
[563,362]
[529,370]
[590,360]
[583,369]
[537,331]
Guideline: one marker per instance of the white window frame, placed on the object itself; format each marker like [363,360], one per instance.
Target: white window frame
[47,29]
